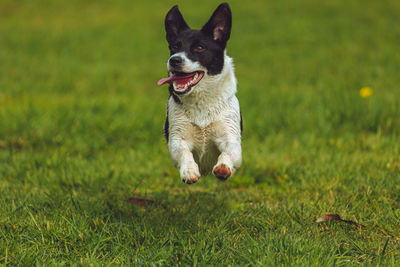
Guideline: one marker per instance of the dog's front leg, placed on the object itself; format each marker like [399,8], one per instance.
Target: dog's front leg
[230,158]
[182,158]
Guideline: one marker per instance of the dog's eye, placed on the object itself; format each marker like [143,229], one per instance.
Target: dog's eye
[175,46]
[199,48]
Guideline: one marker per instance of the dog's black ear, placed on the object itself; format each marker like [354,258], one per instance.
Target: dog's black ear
[174,23]
[220,24]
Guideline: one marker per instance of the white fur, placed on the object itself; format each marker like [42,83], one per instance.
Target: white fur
[188,65]
[205,127]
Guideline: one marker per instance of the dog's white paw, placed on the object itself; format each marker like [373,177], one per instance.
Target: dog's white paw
[222,171]
[190,173]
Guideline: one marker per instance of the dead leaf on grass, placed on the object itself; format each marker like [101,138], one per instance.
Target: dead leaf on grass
[247,212]
[140,201]
[336,217]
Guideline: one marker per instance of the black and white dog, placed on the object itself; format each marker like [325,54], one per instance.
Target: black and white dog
[203,126]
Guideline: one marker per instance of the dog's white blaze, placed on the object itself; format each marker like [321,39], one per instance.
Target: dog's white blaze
[187,64]
[206,125]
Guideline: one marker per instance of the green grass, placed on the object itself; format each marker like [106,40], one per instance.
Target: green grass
[81,132]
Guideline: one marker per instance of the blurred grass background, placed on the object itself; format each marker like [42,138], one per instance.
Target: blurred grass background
[81,124]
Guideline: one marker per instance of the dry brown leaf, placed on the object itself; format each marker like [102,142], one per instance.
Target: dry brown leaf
[329,217]
[140,201]
[336,217]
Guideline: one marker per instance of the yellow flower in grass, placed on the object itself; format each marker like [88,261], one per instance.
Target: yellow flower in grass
[365,92]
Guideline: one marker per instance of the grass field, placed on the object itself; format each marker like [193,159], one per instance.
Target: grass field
[81,124]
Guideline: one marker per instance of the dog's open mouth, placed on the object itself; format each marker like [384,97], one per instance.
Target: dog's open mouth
[183,82]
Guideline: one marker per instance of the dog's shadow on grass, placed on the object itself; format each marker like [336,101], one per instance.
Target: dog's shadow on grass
[163,210]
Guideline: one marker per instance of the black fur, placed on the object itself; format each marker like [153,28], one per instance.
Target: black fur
[166,128]
[171,93]
[241,123]
[166,124]
[212,38]
[174,23]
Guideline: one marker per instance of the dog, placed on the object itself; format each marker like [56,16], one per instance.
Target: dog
[204,126]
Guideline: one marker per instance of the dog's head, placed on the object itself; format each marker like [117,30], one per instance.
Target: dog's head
[195,54]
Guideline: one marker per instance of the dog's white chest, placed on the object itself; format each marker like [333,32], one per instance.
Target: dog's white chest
[203,127]
[204,150]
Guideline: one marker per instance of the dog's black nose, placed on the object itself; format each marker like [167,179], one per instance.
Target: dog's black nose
[175,61]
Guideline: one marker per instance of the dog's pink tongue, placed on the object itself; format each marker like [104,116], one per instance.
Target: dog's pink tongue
[166,80]
[179,79]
